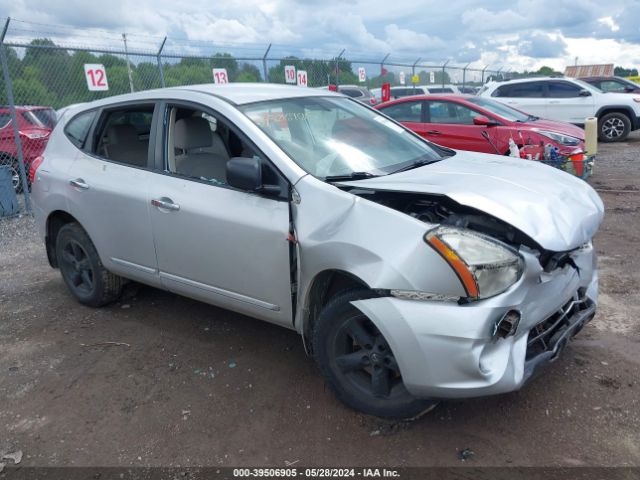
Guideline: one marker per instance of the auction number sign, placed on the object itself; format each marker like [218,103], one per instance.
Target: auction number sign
[96,76]
[302,78]
[290,74]
[220,75]
[362,74]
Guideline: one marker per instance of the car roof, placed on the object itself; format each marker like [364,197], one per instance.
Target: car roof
[235,93]
[431,97]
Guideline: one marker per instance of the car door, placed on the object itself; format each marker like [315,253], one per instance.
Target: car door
[215,243]
[526,96]
[451,124]
[569,102]
[108,190]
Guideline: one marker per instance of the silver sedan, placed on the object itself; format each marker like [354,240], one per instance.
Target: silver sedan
[412,272]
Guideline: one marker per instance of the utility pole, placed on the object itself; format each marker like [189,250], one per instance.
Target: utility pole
[126,54]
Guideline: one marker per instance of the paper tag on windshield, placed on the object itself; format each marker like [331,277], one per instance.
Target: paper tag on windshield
[389,124]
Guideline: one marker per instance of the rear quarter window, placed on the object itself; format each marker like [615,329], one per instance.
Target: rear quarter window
[78,127]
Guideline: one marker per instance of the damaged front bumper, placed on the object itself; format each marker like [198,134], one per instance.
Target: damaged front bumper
[450,350]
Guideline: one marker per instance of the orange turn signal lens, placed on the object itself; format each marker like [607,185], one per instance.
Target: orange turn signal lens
[454,261]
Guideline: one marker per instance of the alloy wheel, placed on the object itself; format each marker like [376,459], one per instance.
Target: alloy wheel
[613,128]
[77,267]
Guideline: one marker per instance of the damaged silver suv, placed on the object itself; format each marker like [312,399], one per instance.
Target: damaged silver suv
[412,272]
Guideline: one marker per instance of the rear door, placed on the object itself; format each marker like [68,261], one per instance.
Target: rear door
[108,190]
[216,243]
[566,104]
[451,124]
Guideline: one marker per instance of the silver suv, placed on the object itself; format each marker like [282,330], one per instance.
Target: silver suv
[411,271]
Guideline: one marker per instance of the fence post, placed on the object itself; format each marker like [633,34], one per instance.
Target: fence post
[159,58]
[382,63]
[413,72]
[464,75]
[264,64]
[126,54]
[485,67]
[337,68]
[14,119]
[443,67]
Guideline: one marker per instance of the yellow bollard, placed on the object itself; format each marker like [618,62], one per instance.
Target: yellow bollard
[591,135]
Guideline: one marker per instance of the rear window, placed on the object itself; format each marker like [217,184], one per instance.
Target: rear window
[440,90]
[352,92]
[46,116]
[76,130]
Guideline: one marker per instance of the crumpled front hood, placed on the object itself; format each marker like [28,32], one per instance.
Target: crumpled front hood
[557,210]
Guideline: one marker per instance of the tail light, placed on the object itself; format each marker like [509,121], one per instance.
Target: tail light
[34,167]
[34,135]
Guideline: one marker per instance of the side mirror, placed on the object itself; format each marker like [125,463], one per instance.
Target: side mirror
[246,174]
[584,93]
[483,121]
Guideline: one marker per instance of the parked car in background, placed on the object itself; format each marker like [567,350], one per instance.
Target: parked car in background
[570,100]
[412,272]
[480,124]
[405,91]
[357,92]
[35,125]
[613,84]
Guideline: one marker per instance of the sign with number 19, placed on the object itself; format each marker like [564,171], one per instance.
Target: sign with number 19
[96,76]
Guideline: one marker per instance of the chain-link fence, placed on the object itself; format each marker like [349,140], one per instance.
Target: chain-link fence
[42,73]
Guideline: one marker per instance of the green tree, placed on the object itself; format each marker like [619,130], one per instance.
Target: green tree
[248,73]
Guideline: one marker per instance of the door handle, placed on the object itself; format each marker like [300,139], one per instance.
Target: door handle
[165,203]
[79,183]
[434,132]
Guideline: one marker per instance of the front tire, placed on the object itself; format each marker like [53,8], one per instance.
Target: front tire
[82,270]
[614,127]
[358,363]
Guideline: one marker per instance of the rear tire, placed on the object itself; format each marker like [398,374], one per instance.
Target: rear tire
[614,127]
[82,269]
[358,363]
[7,160]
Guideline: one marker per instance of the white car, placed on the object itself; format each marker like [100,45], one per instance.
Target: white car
[571,100]
[413,272]
[406,91]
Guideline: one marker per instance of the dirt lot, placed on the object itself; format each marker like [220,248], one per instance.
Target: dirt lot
[188,384]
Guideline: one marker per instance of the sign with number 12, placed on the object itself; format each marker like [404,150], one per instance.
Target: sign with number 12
[96,76]
[220,75]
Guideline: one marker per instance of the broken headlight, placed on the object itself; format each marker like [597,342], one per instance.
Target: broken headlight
[486,267]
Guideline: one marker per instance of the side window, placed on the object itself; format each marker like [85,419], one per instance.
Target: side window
[123,135]
[198,145]
[5,118]
[77,129]
[563,90]
[521,90]
[405,111]
[605,86]
[451,113]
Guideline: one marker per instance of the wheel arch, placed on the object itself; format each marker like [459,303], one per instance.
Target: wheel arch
[624,109]
[324,286]
[55,221]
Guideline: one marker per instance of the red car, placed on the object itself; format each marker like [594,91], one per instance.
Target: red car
[480,124]
[35,125]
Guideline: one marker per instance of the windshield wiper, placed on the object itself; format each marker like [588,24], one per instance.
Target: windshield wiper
[350,176]
[416,164]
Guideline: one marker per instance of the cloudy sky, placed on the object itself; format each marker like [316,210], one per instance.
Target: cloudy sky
[518,34]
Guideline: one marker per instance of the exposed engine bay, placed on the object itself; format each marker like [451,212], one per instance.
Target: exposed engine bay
[439,209]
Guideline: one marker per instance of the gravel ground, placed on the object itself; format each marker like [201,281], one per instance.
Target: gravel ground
[187,384]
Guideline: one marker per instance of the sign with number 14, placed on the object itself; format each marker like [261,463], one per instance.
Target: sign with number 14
[302,78]
[96,76]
